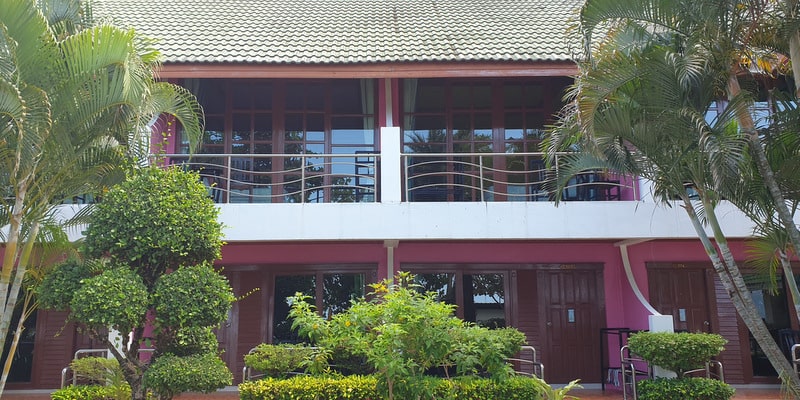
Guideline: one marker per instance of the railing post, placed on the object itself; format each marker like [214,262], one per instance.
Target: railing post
[391,177]
[302,178]
[480,174]
[228,179]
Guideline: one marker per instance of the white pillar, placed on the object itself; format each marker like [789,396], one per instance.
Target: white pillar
[391,179]
[661,323]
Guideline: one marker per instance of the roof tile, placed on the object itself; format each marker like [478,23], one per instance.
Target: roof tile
[350,31]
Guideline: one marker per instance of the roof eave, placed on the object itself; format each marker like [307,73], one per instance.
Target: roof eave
[369,70]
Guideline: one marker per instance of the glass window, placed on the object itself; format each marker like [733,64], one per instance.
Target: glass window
[480,297]
[335,296]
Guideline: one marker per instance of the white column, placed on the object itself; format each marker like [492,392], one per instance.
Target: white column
[661,323]
[391,166]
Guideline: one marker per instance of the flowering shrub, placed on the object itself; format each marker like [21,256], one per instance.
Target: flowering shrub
[403,333]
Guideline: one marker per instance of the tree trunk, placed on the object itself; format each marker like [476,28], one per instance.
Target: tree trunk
[733,282]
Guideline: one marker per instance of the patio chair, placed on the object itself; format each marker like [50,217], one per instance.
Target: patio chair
[632,369]
[525,363]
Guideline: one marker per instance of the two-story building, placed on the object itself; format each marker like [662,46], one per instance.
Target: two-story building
[347,140]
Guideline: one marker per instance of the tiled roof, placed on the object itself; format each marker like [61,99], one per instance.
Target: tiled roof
[350,31]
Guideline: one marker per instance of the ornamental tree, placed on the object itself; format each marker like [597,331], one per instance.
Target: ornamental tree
[150,246]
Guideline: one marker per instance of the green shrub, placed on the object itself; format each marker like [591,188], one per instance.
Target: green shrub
[169,375]
[403,333]
[482,351]
[357,387]
[115,298]
[205,289]
[684,389]
[678,352]
[156,220]
[278,360]
[188,340]
[98,370]
[59,285]
[92,392]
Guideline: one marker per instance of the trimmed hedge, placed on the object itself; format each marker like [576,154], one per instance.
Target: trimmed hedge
[92,392]
[684,389]
[357,387]
[677,352]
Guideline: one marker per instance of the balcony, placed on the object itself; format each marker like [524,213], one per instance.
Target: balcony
[356,178]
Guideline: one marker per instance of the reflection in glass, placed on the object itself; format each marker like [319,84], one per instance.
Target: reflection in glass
[285,287]
[771,304]
[339,290]
[443,284]
[484,300]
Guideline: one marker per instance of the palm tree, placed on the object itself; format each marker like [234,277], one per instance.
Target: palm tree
[725,33]
[76,101]
[641,110]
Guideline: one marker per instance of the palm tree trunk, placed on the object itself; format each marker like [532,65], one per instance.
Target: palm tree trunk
[15,342]
[733,281]
[11,302]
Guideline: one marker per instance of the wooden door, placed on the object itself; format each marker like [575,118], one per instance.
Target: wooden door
[682,292]
[571,307]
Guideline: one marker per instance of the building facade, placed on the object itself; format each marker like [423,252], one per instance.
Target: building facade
[347,140]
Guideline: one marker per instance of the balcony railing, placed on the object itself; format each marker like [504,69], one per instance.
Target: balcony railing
[428,177]
[502,177]
[285,178]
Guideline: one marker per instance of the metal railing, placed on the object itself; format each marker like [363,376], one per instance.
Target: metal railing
[501,177]
[285,178]
[86,353]
[525,363]
[425,177]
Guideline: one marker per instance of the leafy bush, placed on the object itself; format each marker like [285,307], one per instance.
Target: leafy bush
[403,333]
[186,341]
[169,375]
[483,351]
[98,370]
[115,298]
[56,291]
[357,387]
[678,352]
[278,360]
[92,392]
[157,220]
[684,389]
[201,286]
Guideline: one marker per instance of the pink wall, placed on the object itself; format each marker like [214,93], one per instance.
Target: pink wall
[623,309]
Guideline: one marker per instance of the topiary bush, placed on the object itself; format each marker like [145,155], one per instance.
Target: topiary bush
[678,352]
[169,374]
[199,285]
[684,389]
[158,220]
[115,298]
[153,240]
[62,282]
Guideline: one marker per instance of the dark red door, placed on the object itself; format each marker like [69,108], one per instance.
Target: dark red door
[571,306]
[683,293]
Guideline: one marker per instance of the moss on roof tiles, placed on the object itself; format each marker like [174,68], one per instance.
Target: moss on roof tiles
[350,31]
